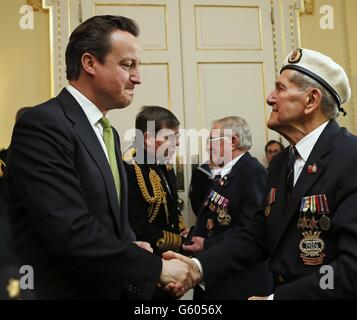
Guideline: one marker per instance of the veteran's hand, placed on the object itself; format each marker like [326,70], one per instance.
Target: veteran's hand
[176,277]
[198,245]
[194,273]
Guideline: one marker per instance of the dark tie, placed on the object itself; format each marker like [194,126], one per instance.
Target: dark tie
[293,153]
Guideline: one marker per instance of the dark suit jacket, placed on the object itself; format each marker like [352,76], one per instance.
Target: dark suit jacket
[244,187]
[139,207]
[67,222]
[277,235]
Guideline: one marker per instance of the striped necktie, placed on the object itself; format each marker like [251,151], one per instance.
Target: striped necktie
[293,154]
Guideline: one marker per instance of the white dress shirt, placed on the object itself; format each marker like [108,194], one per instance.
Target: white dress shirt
[304,148]
[227,168]
[92,113]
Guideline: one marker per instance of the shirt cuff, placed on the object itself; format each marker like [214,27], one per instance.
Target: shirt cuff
[199,265]
[271,297]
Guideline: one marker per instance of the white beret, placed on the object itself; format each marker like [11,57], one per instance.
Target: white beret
[322,69]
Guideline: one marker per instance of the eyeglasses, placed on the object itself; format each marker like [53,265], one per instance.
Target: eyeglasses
[210,140]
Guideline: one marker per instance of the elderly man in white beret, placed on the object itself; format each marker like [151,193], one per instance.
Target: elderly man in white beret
[307,224]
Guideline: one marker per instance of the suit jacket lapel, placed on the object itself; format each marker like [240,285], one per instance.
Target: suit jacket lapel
[126,231]
[307,180]
[90,141]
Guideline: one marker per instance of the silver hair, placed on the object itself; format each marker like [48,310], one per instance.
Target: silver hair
[329,105]
[239,128]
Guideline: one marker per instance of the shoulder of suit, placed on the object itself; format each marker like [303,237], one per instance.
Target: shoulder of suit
[249,165]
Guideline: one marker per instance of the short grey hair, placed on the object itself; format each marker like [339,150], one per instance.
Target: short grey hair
[239,128]
[329,106]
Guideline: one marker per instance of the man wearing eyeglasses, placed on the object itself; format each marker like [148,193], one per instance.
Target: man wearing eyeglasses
[233,198]
[153,204]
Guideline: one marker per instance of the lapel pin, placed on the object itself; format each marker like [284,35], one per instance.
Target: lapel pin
[312,168]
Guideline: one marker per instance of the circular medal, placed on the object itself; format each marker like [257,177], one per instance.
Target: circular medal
[267,211]
[222,213]
[325,223]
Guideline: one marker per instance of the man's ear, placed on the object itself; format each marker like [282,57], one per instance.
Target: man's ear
[88,63]
[235,142]
[313,100]
[148,139]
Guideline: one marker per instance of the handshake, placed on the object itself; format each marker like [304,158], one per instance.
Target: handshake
[179,273]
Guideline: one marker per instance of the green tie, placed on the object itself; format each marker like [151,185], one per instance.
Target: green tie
[109,143]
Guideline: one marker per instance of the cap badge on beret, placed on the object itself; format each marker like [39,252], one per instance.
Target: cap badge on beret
[295,56]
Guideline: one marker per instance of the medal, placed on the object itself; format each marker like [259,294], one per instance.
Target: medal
[271,196]
[225,221]
[312,168]
[267,211]
[325,223]
[312,248]
[222,212]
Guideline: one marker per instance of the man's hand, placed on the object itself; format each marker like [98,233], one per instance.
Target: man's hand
[198,245]
[176,277]
[193,276]
[144,245]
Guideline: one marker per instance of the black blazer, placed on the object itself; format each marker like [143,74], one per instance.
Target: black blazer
[67,222]
[244,188]
[277,235]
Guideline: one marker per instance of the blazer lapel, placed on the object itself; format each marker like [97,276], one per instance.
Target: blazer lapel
[90,141]
[126,231]
[306,179]
[278,206]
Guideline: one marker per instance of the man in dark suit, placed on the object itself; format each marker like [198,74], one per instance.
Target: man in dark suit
[308,222]
[231,202]
[66,183]
[154,212]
